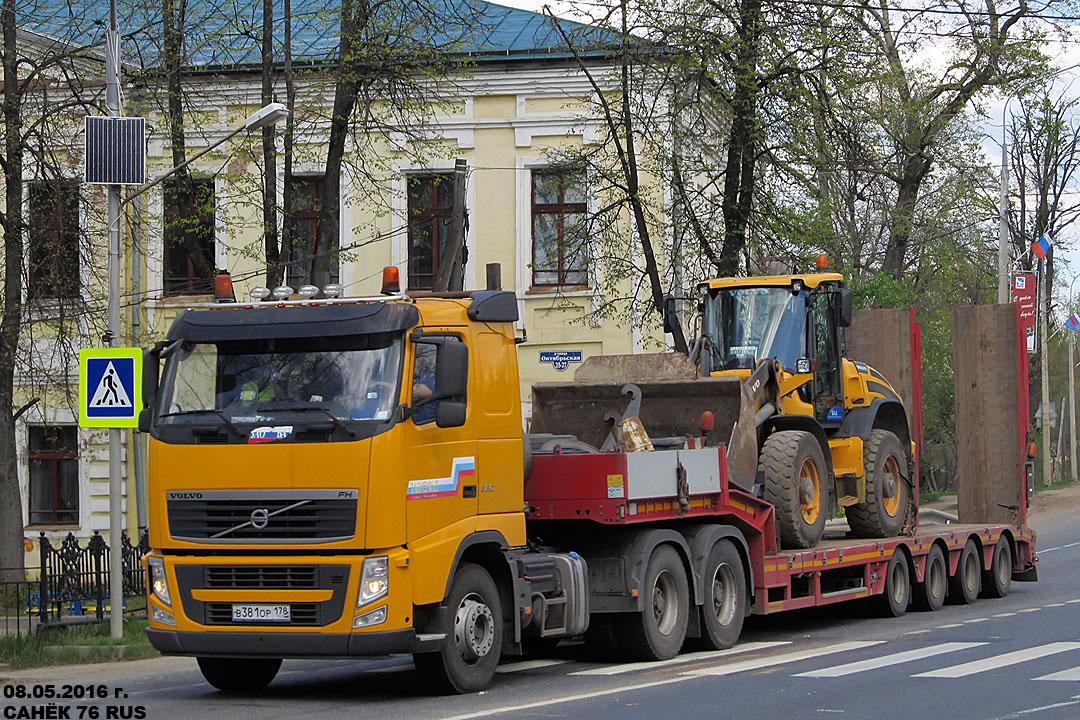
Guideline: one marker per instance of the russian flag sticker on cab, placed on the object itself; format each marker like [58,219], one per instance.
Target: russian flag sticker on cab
[1040,247]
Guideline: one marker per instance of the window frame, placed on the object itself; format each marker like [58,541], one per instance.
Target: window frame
[69,285]
[53,456]
[561,209]
[312,216]
[433,215]
[174,286]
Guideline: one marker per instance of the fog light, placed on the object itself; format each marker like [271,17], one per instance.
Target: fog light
[282,292]
[166,618]
[333,290]
[374,580]
[159,583]
[307,291]
[375,617]
[259,293]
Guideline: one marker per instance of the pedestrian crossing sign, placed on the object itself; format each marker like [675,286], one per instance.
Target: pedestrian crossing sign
[110,387]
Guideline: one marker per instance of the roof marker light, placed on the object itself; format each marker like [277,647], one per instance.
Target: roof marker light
[333,290]
[308,291]
[259,293]
[282,292]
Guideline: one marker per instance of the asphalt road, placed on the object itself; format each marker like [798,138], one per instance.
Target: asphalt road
[1018,657]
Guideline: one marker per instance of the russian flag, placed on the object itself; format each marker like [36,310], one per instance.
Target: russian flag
[1073,323]
[1040,247]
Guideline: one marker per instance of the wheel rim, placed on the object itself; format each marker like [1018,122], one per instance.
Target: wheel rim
[898,584]
[936,577]
[665,602]
[890,491]
[474,629]
[971,572]
[809,491]
[723,594]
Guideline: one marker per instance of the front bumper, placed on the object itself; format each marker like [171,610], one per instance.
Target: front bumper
[292,645]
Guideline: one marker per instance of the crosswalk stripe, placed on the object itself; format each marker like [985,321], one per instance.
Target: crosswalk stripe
[528,665]
[688,657]
[758,663]
[1000,661]
[889,660]
[1072,674]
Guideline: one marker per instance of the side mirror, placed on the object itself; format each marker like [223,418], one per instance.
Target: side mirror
[671,314]
[844,308]
[450,413]
[451,370]
[151,369]
[144,420]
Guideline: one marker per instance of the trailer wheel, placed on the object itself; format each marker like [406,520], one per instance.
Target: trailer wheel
[233,675]
[473,646]
[724,609]
[965,583]
[658,631]
[930,593]
[887,493]
[893,602]
[998,579]
[794,472]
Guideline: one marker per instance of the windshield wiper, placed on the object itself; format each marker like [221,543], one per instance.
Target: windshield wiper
[204,411]
[285,407]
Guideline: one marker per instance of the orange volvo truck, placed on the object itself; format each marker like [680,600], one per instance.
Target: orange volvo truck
[349,476]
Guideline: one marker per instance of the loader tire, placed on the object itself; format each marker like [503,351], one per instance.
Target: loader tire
[887,493]
[794,474]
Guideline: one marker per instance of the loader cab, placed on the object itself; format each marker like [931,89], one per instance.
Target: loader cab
[796,320]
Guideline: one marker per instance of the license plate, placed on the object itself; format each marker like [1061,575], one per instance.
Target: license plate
[261,613]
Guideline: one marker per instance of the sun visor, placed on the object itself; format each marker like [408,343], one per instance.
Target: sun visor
[293,321]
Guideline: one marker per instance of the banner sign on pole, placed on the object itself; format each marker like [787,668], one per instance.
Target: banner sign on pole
[110,387]
[1024,287]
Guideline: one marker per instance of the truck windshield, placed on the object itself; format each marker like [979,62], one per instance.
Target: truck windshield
[745,325]
[253,381]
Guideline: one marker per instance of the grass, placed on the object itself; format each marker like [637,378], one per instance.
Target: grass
[928,496]
[75,644]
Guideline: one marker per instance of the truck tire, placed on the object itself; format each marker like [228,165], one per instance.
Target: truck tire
[887,492]
[794,472]
[894,600]
[930,593]
[231,675]
[473,646]
[658,631]
[724,608]
[965,583]
[998,579]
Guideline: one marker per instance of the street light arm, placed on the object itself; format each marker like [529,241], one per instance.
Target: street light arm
[213,146]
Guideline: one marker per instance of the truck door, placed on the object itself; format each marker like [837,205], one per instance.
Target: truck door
[828,380]
[440,463]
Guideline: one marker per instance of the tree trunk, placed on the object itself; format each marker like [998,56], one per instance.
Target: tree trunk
[270,234]
[903,215]
[11,521]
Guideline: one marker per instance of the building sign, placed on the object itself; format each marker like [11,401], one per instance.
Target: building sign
[1024,293]
[560,359]
[110,387]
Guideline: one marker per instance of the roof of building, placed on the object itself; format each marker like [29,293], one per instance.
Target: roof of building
[222,36]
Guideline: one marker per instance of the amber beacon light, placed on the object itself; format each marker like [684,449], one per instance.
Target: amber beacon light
[391,284]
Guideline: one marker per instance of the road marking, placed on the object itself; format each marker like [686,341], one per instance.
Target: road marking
[569,698]
[917,632]
[1004,614]
[890,660]
[1030,610]
[758,663]
[1045,707]
[1074,600]
[689,657]
[528,665]
[1000,661]
[950,625]
[1060,547]
[975,620]
[1055,605]
[1070,675]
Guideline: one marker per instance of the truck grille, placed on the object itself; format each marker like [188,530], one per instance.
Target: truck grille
[258,516]
[301,613]
[262,577]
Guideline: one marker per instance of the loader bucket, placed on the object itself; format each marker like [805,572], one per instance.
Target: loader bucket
[669,408]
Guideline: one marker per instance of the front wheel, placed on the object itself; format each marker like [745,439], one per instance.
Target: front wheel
[887,493]
[794,473]
[474,639]
[233,675]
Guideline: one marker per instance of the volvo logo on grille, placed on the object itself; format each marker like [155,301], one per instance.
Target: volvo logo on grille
[260,517]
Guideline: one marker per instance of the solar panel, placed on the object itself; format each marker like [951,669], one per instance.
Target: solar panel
[115,151]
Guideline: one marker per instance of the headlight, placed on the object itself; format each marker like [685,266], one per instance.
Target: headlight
[158,583]
[160,616]
[375,617]
[374,580]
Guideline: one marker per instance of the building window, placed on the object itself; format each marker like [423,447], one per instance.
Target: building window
[54,475]
[53,241]
[304,229]
[189,238]
[431,205]
[558,225]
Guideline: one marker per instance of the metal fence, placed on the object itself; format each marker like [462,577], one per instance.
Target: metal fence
[17,617]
